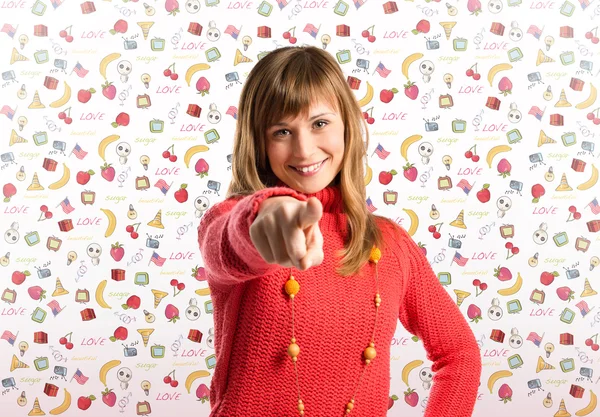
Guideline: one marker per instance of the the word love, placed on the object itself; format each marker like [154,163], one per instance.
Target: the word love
[16,209]
[90,34]
[470,89]
[13,4]
[178,256]
[545,210]
[247,5]
[175,89]
[92,116]
[495,46]
[495,353]
[484,256]
[93,341]
[394,116]
[89,221]
[470,171]
[321,4]
[542,312]
[495,127]
[542,5]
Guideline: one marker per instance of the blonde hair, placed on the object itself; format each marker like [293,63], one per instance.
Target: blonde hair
[284,83]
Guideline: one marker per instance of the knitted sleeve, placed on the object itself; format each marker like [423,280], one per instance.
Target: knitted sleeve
[224,238]
[429,312]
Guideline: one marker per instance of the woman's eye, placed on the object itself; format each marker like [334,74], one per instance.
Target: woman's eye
[283,130]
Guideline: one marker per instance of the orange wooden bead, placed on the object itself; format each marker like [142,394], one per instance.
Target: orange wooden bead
[375,255]
[377,300]
[292,286]
[301,407]
[370,354]
[293,350]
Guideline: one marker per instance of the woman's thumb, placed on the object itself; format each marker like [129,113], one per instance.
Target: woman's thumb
[311,213]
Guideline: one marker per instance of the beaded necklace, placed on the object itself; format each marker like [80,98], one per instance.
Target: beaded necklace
[292,287]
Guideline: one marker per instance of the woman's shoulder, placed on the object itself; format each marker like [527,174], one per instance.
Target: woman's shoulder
[392,235]
[390,229]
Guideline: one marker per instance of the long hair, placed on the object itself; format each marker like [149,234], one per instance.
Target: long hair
[284,83]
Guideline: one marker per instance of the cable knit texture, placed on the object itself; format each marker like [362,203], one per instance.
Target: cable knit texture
[334,318]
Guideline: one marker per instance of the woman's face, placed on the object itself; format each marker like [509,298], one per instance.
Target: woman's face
[307,141]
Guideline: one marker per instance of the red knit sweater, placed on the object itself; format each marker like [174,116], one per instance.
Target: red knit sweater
[334,318]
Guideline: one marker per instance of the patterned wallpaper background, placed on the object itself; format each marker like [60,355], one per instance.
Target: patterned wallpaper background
[116,127]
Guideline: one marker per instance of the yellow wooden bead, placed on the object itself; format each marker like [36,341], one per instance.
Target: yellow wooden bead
[349,406]
[370,353]
[301,407]
[293,350]
[375,255]
[292,286]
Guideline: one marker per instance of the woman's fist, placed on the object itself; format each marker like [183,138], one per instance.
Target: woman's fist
[286,232]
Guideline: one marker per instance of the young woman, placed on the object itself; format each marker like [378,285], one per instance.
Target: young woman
[299,330]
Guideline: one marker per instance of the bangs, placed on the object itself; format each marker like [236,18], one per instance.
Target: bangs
[300,84]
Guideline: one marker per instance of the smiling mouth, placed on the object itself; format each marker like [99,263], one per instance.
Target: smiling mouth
[314,166]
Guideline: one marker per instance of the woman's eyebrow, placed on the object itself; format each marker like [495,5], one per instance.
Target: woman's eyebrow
[311,119]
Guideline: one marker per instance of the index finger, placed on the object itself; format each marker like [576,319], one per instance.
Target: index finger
[314,249]
[295,245]
[310,213]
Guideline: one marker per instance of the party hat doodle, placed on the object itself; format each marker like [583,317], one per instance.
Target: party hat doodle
[543,139]
[59,289]
[16,364]
[145,28]
[16,56]
[562,410]
[158,295]
[461,296]
[562,101]
[157,221]
[15,138]
[145,335]
[35,184]
[36,103]
[587,289]
[564,185]
[459,222]
[448,28]
[36,410]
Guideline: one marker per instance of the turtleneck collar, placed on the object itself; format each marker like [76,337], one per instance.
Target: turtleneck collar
[330,197]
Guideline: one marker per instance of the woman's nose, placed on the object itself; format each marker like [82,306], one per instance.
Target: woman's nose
[303,144]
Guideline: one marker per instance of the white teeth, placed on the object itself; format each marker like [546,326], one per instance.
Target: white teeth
[310,168]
